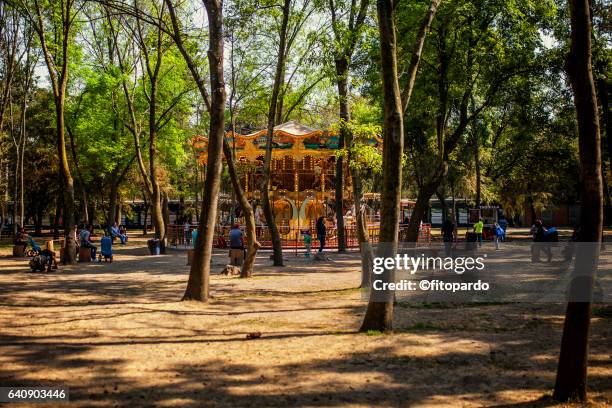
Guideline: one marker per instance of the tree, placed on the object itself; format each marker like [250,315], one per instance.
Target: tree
[346,35]
[276,88]
[56,21]
[379,314]
[198,286]
[572,368]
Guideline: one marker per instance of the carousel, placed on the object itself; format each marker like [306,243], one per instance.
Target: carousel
[303,172]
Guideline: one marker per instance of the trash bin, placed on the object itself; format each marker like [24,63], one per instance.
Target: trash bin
[154,246]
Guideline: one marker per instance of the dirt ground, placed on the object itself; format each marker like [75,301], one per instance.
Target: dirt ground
[118,335]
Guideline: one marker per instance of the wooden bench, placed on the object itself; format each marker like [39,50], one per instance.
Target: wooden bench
[84,254]
[18,251]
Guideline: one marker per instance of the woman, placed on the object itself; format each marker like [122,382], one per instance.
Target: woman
[21,238]
[321,232]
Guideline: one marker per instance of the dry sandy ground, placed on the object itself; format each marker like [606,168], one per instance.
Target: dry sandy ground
[118,335]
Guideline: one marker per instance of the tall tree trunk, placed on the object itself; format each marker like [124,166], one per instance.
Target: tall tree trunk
[265,191]
[421,207]
[112,201]
[365,248]
[602,93]
[198,286]
[571,381]
[342,68]
[249,216]
[156,193]
[379,314]
[68,184]
[477,164]
[146,214]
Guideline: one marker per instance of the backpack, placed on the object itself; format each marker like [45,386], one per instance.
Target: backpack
[38,263]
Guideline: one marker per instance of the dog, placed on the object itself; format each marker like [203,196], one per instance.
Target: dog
[230,270]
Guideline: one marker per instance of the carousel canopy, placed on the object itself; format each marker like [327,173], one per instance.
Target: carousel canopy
[290,139]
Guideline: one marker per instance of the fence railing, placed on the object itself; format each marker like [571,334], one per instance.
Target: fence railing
[292,237]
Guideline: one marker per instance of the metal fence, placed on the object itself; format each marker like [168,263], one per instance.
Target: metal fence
[292,238]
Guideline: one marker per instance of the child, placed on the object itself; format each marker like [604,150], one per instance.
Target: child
[307,242]
[499,235]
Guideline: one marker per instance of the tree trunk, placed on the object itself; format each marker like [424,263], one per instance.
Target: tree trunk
[199,275]
[146,214]
[58,212]
[379,314]
[68,183]
[572,368]
[602,92]
[112,202]
[278,80]
[342,67]
[249,216]
[365,248]
[15,190]
[419,213]
[477,164]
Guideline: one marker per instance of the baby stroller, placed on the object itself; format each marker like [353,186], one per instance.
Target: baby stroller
[106,249]
[34,248]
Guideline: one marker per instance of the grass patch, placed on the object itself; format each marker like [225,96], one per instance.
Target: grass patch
[374,333]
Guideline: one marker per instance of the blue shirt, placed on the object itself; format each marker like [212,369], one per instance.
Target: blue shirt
[236,238]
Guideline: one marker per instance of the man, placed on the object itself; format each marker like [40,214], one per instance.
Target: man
[236,243]
[448,236]
[187,231]
[85,241]
[116,233]
[236,237]
[478,230]
[321,233]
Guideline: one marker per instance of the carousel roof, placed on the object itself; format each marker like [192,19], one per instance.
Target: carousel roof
[292,128]
[291,139]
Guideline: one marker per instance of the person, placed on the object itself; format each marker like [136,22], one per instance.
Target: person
[498,235]
[194,237]
[503,222]
[116,233]
[186,231]
[123,232]
[236,237]
[541,241]
[448,236]
[21,238]
[321,233]
[307,242]
[106,248]
[236,243]
[85,240]
[258,215]
[478,230]
[49,254]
